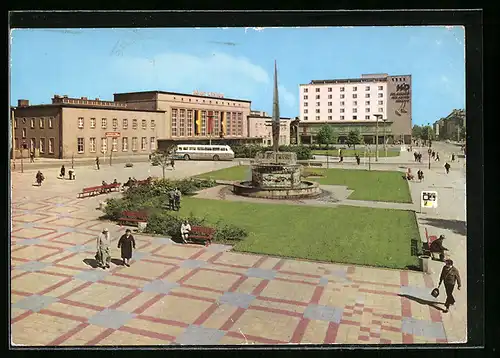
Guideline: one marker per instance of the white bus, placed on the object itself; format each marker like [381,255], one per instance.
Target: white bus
[203,152]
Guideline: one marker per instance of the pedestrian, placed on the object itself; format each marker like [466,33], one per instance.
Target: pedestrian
[437,157]
[171,199]
[71,174]
[453,157]
[126,243]
[39,178]
[433,154]
[177,199]
[447,167]
[415,155]
[185,230]
[358,159]
[32,156]
[450,276]
[103,255]
[172,163]
[63,171]
[97,163]
[437,247]
[420,175]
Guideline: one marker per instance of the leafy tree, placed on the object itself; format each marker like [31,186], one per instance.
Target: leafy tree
[161,158]
[427,133]
[354,138]
[326,135]
[417,131]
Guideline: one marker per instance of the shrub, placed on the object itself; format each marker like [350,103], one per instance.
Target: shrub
[229,232]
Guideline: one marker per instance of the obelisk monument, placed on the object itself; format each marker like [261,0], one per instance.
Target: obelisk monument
[276,113]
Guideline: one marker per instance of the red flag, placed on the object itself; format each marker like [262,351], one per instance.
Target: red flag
[210,122]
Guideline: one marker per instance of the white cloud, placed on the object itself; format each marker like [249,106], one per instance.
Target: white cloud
[254,28]
[286,96]
[215,72]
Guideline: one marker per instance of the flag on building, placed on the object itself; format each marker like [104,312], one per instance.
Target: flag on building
[223,123]
[197,122]
[210,122]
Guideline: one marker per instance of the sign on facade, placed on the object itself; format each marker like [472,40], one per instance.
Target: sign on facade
[429,199]
[208,94]
[112,134]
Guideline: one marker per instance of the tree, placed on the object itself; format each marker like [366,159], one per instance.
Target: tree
[161,158]
[416,131]
[326,135]
[354,138]
[427,133]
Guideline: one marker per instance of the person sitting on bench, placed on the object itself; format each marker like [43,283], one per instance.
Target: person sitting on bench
[103,184]
[409,175]
[437,246]
[185,230]
[420,175]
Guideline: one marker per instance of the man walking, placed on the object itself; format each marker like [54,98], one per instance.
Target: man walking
[177,199]
[32,156]
[453,157]
[358,159]
[103,255]
[450,276]
[172,163]
[437,157]
[171,199]
[447,167]
[97,163]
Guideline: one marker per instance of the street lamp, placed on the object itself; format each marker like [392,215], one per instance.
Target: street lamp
[378,116]
[385,141]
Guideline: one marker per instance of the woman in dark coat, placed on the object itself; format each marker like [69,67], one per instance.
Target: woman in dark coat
[126,243]
[451,277]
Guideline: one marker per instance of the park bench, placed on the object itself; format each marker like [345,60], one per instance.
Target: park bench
[91,191]
[427,245]
[202,233]
[133,217]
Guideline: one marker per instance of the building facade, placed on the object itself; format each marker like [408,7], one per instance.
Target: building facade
[451,126]
[260,126]
[374,100]
[78,127]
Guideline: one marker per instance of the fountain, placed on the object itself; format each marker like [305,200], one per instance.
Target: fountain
[275,174]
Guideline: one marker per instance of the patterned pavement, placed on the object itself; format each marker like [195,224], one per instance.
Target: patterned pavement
[195,295]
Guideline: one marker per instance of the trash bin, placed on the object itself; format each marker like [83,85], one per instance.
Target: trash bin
[424,263]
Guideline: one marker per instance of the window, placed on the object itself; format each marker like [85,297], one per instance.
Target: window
[367,117]
[33,144]
[354,110]
[144,143]
[152,144]
[42,145]
[342,103]
[114,144]
[367,95]
[42,123]
[317,104]
[51,145]
[317,110]
[367,88]
[354,103]
[24,120]
[330,118]
[329,103]
[317,89]
[305,104]
[144,124]
[342,96]
[80,145]
[305,111]
[50,122]
[354,95]
[367,110]
[380,109]
[329,96]
[306,96]
[32,122]
[342,110]
[354,117]
[153,124]
[342,117]
[134,123]
[306,90]
[104,145]
[24,133]
[380,95]
[355,89]
[367,103]
[124,144]
[115,123]
[380,88]
[134,143]
[92,122]
[15,122]
[380,102]
[329,89]
[80,122]
[342,89]
[317,118]
[104,123]
[317,96]
[92,145]
[305,118]
[125,123]
[329,110]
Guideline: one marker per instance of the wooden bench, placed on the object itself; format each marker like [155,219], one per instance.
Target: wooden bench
[427,245]
[91,191]
[142,182]
[202,233]
[133,217]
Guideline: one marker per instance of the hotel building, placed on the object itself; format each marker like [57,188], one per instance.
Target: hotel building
[260,126]
[356,103]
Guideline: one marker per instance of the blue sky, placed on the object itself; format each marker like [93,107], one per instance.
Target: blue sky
[237,62]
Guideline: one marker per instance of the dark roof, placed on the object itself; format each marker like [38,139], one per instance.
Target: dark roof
[188,95]
[353,80]
[88,106]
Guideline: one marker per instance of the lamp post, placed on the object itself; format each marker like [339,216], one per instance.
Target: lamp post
[378,116]
[385,141]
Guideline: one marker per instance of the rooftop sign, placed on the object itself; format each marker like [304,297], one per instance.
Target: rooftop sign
[208,94]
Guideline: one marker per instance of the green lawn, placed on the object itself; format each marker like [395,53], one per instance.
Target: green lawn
[373,185]
[365,236]
[360,151]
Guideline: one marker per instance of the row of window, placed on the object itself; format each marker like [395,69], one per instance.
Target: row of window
[331,117]
[114,144]
[183,123]
[41,122]
[342,96]
[354,103]
[210,102]
[342,89]
[41,145]
[342,110]
[104,123]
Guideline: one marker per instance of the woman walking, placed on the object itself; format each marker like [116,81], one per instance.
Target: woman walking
[126,243]
[450,276]
[103,255]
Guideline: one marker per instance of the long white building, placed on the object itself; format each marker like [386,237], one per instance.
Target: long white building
[356,103]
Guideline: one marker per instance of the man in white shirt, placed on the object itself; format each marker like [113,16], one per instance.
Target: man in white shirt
[185,230]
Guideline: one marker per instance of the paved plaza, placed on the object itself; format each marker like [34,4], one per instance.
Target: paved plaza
[196,295]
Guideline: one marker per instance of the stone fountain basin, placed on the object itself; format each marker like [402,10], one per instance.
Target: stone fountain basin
[306,189]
